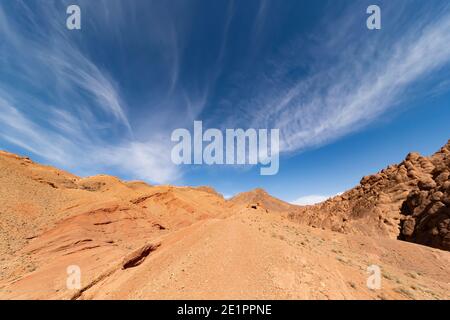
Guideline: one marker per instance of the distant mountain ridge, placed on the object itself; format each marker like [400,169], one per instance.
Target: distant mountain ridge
[259,198]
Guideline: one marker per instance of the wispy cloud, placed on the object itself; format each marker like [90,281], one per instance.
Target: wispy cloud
[67,145]
[66,97]
[56,103]
[353,100]
[369,74]
[312,199]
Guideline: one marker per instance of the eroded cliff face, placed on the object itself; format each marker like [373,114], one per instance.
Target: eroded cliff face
[409,201]
[426,210]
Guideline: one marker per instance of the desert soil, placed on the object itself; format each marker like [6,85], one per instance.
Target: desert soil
[131,240]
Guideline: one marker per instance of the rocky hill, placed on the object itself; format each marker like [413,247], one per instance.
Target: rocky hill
[260,199]
[131,240]
[408,201]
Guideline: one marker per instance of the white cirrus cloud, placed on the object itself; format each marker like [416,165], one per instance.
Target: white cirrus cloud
[312,199]
[66,109]
[350,76]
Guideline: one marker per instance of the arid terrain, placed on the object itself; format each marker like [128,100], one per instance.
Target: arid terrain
[132,240]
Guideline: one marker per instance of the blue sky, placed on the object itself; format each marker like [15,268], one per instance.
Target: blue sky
[104,99]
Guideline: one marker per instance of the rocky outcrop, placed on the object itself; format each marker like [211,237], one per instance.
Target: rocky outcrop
[427,209]
[408,201]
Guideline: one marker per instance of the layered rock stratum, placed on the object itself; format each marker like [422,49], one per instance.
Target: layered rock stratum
[131,240]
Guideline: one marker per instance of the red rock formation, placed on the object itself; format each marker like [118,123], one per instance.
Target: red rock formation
[132,240]
[408,201]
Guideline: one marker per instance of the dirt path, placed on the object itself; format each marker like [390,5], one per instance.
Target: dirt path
[250,256]
[135,241]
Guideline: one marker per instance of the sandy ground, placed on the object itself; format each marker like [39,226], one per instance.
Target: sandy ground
[134,241]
